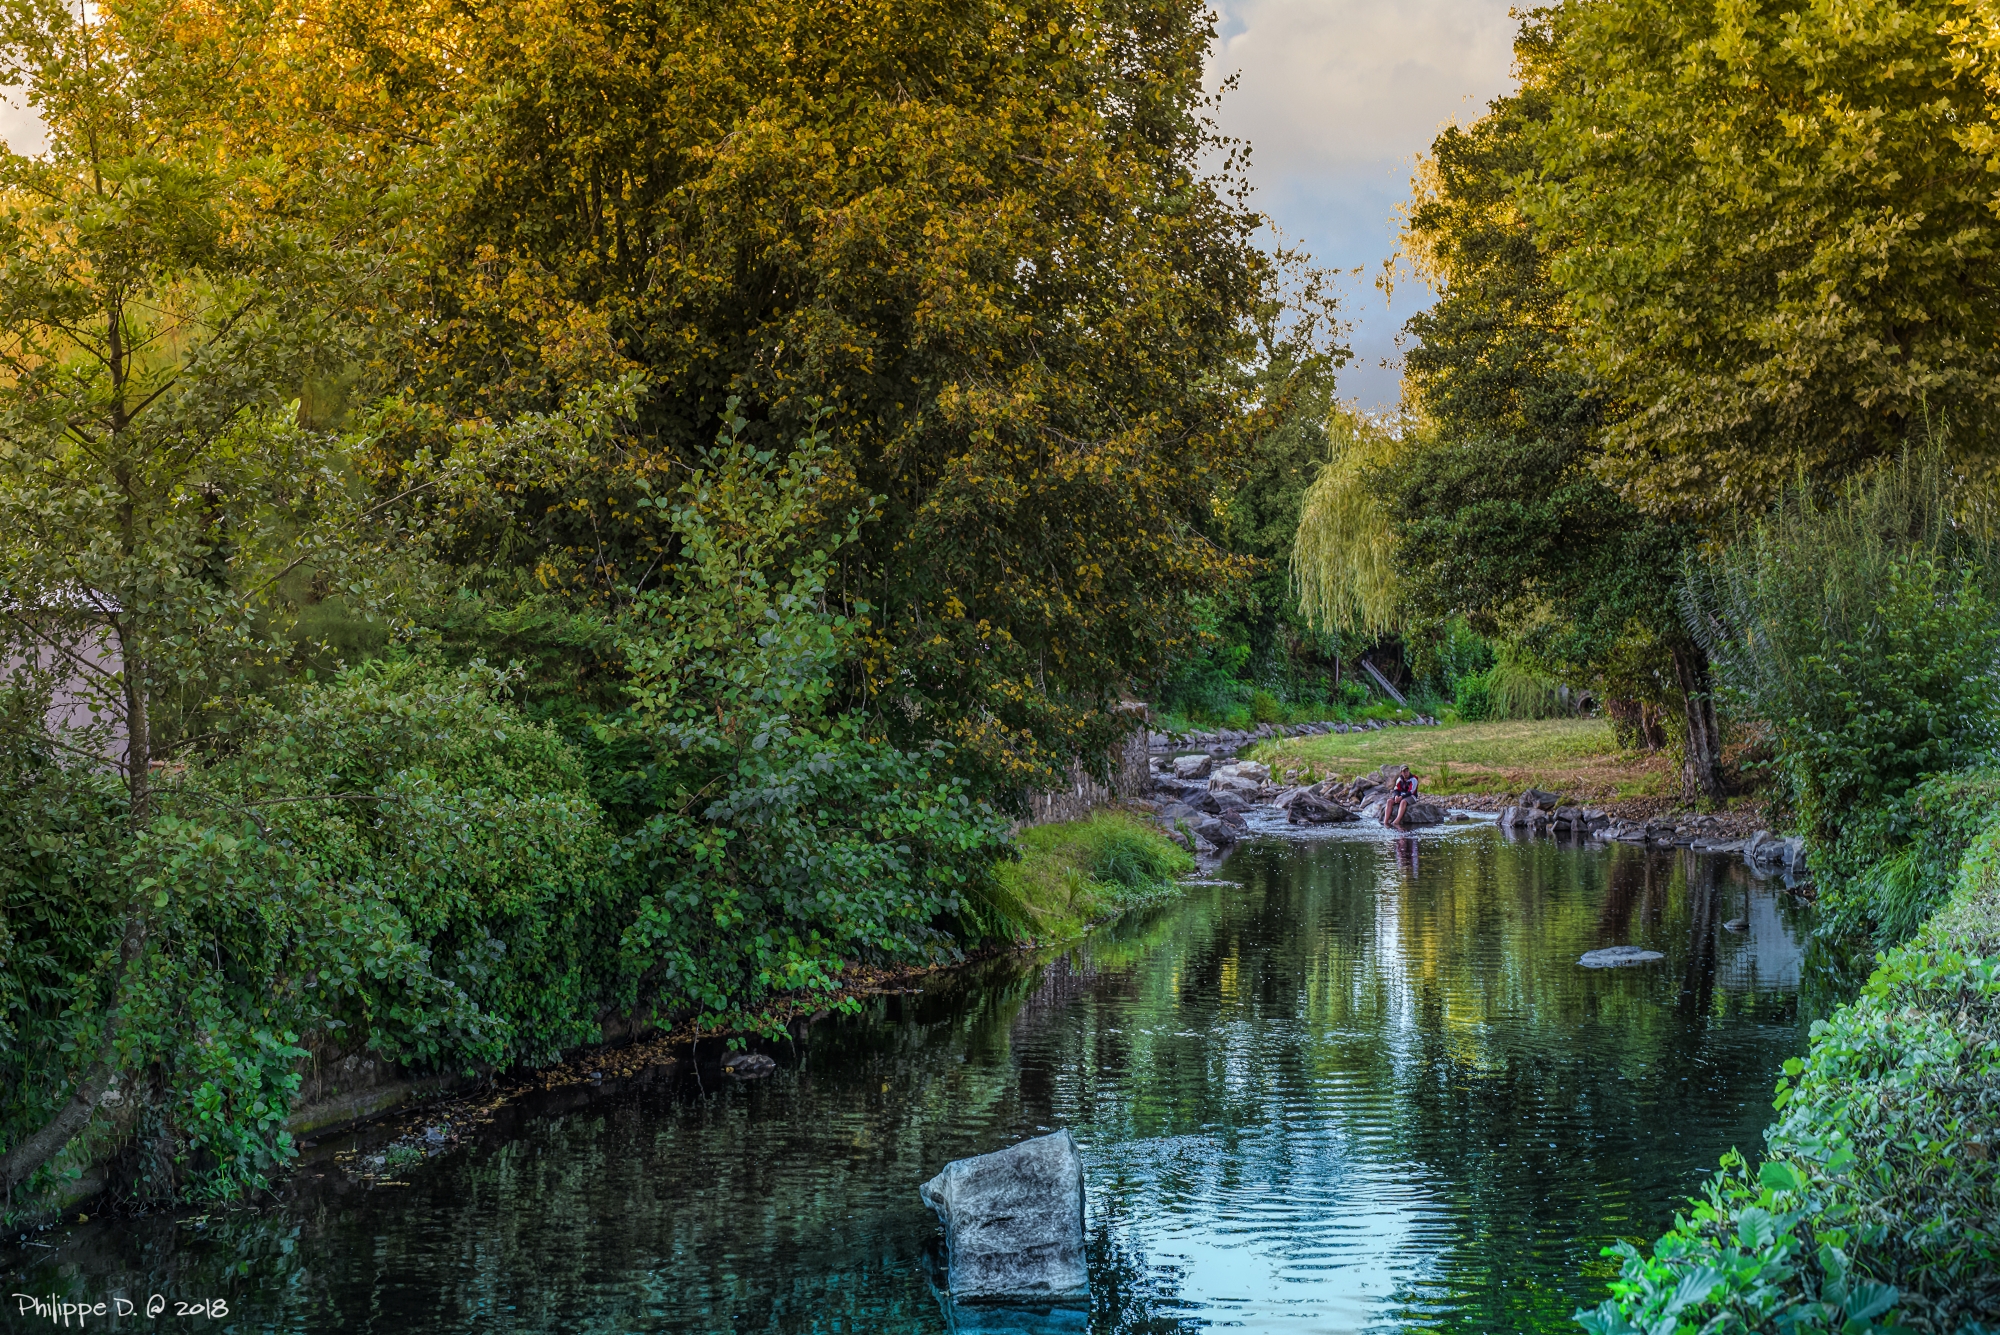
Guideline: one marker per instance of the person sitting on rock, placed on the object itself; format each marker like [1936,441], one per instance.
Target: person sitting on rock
[1404,793]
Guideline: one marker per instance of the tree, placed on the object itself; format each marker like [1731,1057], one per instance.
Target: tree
[1497,507]
[158,491]
[978,236]
[1774,233]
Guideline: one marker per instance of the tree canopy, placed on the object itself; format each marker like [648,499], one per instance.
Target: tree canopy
[1774,229]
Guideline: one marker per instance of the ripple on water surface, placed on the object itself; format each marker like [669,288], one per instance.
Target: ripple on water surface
[1362,1085]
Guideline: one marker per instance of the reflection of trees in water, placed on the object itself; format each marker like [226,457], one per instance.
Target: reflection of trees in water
[1345,1011]
[1127,1297]
[1698,973]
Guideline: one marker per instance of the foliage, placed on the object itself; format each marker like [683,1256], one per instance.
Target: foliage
[1257,640]
[1934,825]
[787,843]
[392,861]
[974,241]
[1074,873]
[1773,228]
[1863,626]
[1876,1208]
[1499,513]
[1344,557]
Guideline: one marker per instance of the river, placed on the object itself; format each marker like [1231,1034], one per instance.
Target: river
[1357,1083]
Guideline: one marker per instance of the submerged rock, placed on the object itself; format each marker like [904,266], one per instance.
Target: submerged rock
[1013,1222]
[1617,957]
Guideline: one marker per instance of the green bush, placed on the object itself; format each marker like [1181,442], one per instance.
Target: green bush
[1865,630]
[1474,698]
[1930,831]
[1879,1206]
[1266,708]
[393,860]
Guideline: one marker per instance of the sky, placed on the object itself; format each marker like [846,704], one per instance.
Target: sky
[1336,98]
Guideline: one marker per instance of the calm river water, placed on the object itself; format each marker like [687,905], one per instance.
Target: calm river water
[1361,1085]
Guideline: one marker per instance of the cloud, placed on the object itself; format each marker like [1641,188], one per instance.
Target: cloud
[1336,98]
[1331,85]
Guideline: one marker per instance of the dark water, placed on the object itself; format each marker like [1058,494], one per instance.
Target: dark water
[1364,1086]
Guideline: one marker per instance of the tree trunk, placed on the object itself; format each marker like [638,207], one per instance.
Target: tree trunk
[1701,747]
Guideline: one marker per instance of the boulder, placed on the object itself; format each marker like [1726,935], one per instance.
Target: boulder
[1193,767]
[1417,813]
[1013,1222]
[1540,800]
[1619,957]
[1234,783]
[1214,829]
[748,1065]
[1308,808]
[1284,800]
[1227,800]
[1736,925]
[1252,770]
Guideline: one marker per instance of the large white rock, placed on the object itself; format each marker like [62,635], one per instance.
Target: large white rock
[1193,767]
[1013,1222]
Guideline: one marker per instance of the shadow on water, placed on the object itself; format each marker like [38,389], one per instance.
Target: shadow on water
[1365,1086]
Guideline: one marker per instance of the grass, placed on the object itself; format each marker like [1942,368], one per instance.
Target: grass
[1579,757]
[1072,874]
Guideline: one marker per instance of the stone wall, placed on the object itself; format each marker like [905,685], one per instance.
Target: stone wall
[1084,794]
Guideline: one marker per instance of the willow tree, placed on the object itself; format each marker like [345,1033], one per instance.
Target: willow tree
[1344,558]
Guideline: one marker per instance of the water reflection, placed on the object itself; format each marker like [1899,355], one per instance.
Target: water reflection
[1363,1087]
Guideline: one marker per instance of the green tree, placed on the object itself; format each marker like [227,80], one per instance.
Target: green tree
[978,237]
[156,485]
[1775,239]
[1495,498]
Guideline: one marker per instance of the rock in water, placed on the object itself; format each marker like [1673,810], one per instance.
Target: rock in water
[1614,957]
[1309,808]
[748,1065]
[1013,1222]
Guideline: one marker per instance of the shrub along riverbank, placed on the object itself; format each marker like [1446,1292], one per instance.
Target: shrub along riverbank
[1877,1207]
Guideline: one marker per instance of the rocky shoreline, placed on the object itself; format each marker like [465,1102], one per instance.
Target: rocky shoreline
[1204,800]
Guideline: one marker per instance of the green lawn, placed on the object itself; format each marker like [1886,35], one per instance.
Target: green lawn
[1578,756]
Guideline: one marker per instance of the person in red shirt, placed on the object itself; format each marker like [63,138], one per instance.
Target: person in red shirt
[1400,797]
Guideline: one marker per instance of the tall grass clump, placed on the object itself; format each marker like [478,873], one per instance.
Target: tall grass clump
[1862,624]
[1073,873]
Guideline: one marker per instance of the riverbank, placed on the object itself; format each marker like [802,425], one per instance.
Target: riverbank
[1486,766]
[1876,1206]
[1580,757]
